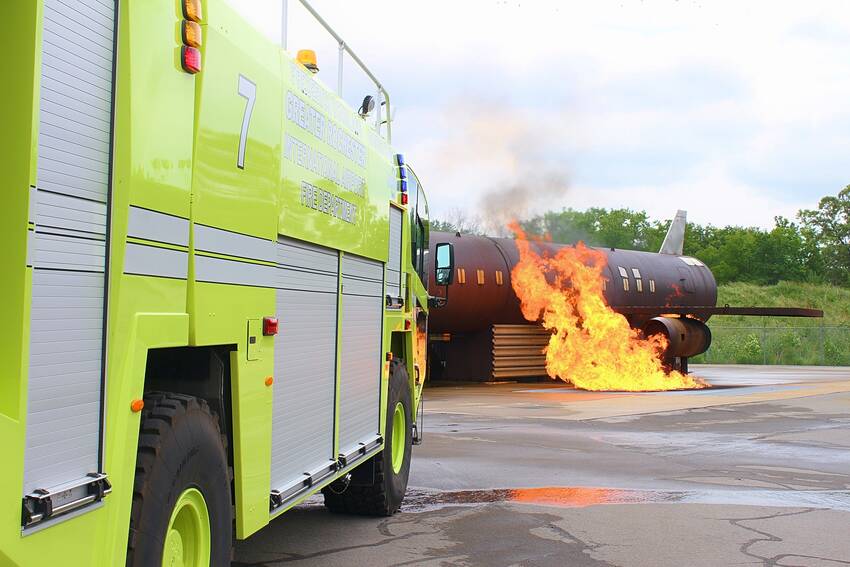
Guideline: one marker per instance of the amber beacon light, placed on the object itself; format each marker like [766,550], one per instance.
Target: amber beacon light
[307,57]
[192,33]
[192,10]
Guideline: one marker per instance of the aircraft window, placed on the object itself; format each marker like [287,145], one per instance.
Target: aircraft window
[461,275]
[651,286]
[623,272]
[625,284]
[499,278]
[639,286]
[480,275]
[636,273]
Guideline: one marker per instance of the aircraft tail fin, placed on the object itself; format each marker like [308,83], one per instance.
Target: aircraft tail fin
[674,242]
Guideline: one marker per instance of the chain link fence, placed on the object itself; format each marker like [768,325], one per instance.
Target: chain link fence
[809,345]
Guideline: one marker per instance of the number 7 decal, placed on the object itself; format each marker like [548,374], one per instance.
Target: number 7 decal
[248,91]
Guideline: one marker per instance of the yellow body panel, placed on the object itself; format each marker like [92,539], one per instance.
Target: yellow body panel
[176,153]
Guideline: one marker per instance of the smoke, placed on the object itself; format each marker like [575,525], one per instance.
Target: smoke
[520,199]
[512,157]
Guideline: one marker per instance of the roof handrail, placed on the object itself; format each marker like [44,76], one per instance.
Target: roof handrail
[343,49]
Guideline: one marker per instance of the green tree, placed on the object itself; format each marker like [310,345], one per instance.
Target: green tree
[782,253]
[829,226]
[817,249]
[617,228]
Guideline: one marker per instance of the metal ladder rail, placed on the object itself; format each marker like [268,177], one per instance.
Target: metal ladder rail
[343,49]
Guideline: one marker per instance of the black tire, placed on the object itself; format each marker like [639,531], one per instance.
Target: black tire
[384,496]
[180,447]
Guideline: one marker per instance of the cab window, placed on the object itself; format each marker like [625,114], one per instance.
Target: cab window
[418,210]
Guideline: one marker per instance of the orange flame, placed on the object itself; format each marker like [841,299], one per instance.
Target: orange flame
[592,346]
[421,346]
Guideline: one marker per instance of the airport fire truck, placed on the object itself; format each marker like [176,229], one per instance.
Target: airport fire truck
[214,286]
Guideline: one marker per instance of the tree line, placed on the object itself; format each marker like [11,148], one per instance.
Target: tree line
[814,247]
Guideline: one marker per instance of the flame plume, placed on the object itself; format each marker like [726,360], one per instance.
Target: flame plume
[592,346]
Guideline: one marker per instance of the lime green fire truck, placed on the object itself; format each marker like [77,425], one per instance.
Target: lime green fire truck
[214,286]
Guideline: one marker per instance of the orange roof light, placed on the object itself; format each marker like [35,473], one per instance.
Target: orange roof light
[137,405]
[192,34]
[192,10]
[307,57]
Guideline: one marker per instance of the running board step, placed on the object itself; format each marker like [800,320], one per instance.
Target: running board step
[277,498]
[360,451]
[42,504]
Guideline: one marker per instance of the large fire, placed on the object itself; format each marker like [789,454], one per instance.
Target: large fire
[592,346]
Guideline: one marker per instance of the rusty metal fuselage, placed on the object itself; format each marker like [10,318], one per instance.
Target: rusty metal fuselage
[482,295]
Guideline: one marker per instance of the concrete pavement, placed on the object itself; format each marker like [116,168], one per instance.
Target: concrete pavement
[755,471]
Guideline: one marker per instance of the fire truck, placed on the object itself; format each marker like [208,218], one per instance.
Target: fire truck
[214,285]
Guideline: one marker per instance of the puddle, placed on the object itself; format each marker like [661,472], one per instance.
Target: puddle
[577,497]
[709,388]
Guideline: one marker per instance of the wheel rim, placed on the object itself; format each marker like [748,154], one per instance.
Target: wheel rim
[399,436]
[187,541]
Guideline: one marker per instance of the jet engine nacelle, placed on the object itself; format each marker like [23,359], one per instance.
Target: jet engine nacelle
[686,337]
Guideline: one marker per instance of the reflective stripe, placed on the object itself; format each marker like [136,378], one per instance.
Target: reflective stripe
[219,270]
[217,241]
[159,227]
[142,260]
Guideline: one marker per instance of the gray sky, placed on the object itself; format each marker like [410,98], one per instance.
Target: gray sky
[735,111]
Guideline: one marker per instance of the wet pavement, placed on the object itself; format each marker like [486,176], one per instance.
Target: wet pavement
[754,471]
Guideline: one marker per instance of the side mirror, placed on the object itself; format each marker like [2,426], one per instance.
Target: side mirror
[444,265]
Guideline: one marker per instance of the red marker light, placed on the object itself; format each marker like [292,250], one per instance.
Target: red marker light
[404,198]
[270,325]
[191,58]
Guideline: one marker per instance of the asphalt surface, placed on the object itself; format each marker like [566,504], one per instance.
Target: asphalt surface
[754,471]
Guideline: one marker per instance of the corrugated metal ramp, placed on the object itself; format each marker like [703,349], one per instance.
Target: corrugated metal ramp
[518,351]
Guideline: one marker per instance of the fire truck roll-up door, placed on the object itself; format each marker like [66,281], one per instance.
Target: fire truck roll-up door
[305,368]
[360,357]
[306,354]
[395,278]
[67,251]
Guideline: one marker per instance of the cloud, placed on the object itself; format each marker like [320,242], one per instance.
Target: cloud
[708,193]
[636,101]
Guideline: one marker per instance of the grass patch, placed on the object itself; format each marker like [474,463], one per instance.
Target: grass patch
[781,340]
